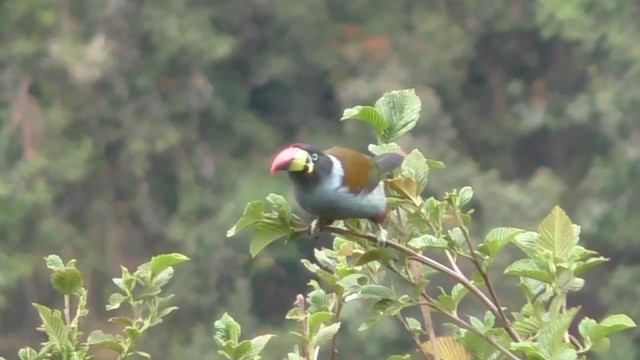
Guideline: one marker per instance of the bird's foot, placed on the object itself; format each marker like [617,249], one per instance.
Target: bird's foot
[314,228]
[382,237]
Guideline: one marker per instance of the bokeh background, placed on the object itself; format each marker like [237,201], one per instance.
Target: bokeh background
[134,127]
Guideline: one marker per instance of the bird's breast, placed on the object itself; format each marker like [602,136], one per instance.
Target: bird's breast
[339,203]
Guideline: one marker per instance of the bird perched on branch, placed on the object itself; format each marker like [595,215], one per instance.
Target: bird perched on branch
[338,183]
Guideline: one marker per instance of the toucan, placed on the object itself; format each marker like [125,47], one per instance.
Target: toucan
[338,183]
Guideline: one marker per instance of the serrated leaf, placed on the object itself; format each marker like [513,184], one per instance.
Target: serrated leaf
[402,109]
[253,212]
[368,114]
[551,335]
[53,325]
[557,233]
[281,206]
[264,234]
[583,266]
[161,262]
[415,166]
[497,238]
[326,333]
[427,241]
[530,269]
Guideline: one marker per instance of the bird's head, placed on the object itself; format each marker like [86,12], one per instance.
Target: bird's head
[298,158]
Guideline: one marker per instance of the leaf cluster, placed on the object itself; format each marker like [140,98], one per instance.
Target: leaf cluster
[397,279]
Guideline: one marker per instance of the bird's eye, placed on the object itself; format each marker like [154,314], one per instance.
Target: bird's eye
[314,157]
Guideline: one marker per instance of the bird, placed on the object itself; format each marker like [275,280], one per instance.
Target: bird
[338,183]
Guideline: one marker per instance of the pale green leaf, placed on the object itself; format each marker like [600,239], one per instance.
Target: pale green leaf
[402,109]
[281,206]
[257,345]
[160,262]
[557,233]
[368,114]
[326,333]
[265,233]
[227,329]
[253,212]
[415,166]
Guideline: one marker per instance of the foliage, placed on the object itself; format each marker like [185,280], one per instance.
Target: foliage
[140,290]
[396,280]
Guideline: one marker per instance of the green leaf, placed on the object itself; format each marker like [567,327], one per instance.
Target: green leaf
[427,241]
[97,337]
[227,329]
[384,148]
[585,327]
[415,166]
[402,109]
[54,262]
[373,255]
[318,300]
[67,280]
[326,333]
[375,291]
[551,335]
[252,213]
[161,262]
[557,233]
[265,233]
[497,238]
[368,114]
[281,206]
[27,353]
[115,300]
[257,345]
[414,325]
[53,325]
[464,196]
[530,269]
[610,325]
[318,318]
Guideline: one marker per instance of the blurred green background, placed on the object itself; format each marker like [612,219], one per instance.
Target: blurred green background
[134,127]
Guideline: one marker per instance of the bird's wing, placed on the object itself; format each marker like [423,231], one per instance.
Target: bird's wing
[358,169]
[388,162]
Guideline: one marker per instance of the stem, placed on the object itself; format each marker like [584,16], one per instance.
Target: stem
[469,327]
[303,324]
[334,342]
[424,260]
[67,309]
[417,276]
[413,336]
[485,277]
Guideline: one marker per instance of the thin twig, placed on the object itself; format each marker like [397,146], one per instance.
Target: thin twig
[485,277]
[334,342]
[413,336]
[414,271]
[424,260]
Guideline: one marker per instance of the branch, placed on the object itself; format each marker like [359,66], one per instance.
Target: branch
[485,277]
